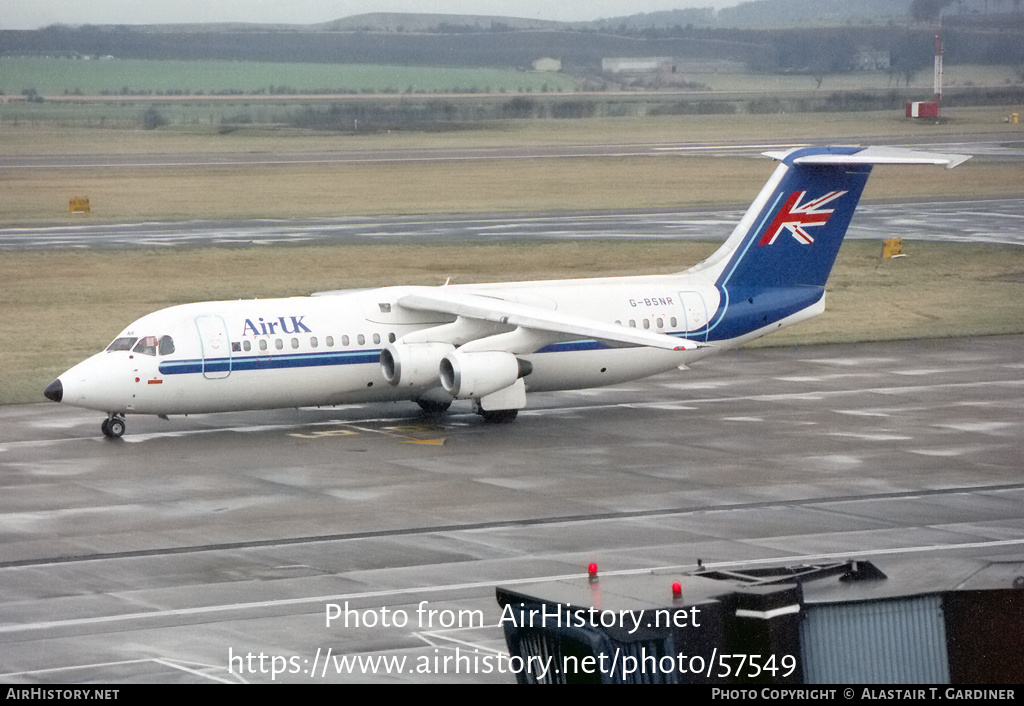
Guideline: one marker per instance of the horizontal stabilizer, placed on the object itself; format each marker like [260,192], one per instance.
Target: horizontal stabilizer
[875,155]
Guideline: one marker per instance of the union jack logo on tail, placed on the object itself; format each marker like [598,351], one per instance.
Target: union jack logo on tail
[795,217]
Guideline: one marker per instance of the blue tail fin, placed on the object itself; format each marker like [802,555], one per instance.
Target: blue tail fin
[797,233]
[779,257]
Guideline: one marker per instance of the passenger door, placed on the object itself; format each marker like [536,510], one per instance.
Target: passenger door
[216,346]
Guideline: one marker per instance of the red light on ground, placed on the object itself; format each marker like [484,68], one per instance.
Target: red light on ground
[592,570]
[677,590]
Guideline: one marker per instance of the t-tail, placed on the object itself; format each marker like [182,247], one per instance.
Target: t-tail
[773,268]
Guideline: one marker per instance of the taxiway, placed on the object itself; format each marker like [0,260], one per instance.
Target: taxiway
[973,220]
[177,551]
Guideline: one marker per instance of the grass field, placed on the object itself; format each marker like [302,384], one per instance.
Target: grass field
[321,190]
[43,137]
[954,76]
[33,196]
[218,95]
[57,77]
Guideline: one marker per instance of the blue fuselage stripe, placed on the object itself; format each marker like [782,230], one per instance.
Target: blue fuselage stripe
[268,362]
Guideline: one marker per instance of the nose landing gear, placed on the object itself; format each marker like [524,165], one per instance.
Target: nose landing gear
[113,426]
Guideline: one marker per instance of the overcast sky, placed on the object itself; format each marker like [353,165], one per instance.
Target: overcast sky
[32,14]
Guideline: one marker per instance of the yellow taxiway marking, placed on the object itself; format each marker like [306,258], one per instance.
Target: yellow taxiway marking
[397,432]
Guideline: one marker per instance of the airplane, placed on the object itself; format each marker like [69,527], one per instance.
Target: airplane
[492,343]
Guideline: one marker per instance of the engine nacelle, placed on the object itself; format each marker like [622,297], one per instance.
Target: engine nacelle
[413,364]
[474,375]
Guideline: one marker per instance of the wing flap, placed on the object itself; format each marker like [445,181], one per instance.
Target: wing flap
[475,306]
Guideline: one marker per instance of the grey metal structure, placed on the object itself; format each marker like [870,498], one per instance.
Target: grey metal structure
[899,641]
[845,623]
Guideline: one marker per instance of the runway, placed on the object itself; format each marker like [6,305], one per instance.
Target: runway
[985,220]
[214,547]
[1003,147]
[976,220]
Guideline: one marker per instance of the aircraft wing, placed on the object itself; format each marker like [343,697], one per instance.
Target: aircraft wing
[475,306]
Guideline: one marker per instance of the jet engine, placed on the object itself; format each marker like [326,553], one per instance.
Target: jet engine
[474,375]
[413,364]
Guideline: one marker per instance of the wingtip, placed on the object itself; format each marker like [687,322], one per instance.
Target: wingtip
[957,159]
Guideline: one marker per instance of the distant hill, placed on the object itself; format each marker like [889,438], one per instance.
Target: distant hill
[757,14]
[753,15]
[749,15]
[801,13]
[426,22]
[771,14]
[767,35]
[786,14]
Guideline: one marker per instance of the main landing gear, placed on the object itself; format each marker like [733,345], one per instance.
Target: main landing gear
[497,416]
[434,408]
[500,416]
[113,426]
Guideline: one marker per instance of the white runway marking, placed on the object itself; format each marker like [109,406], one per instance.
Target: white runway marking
[316,602]
[206,671]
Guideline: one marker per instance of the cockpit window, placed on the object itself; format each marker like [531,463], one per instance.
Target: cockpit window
[122,344]
[146,346]
[166,345]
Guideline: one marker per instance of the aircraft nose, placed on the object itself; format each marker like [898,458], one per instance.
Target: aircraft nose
[54,391]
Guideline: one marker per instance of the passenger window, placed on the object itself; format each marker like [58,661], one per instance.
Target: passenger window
[295,343]
[376,338]
[247,346]
[673,322]
[166,345]
[312,342]
[279,344]
[391,338]
[146,346]
[344,341]
[661,323]
[647,323]
[122,344]
[361,340]
[329,341]
[632,323]
[263,344]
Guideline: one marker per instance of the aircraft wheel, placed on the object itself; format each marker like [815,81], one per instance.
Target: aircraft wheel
[113,427]
[431,407]
[500,416]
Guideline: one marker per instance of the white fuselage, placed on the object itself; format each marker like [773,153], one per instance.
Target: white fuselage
[325,350]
